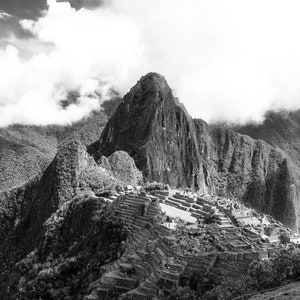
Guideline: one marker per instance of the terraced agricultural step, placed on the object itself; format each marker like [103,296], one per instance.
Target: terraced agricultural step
[139,296]
[121,289]
[149,282]
[173,281]
[133,258]
[148,291]
[141,271]
[125,281]
[148,266]
[103,294]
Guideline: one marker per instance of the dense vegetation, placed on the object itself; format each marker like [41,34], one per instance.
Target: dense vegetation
[26,151]
[77,240]
[155,186]
[281,269]
[110,106]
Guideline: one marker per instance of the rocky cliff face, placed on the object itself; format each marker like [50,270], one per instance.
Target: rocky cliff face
[122,167]
[169,146]
[157,133]
[281,129]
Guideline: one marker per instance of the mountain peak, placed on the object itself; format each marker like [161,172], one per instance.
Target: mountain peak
[151,88]
[145,108]
[153,76]
[168,146]
[150,124]
[155,79]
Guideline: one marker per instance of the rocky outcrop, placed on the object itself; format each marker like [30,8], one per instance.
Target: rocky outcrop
[121,166]
[169,146]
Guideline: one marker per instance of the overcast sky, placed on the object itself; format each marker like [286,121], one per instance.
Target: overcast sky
[226,60]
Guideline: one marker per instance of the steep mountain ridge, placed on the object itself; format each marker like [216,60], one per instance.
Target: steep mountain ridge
[280,129]
[169,146]
[26,151]
[145,121]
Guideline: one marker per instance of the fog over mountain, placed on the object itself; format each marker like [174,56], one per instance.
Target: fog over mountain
[229,61]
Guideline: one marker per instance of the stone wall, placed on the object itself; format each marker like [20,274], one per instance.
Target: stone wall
[222,264]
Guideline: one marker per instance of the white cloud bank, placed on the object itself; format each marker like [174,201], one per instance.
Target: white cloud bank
[90,50]
[226,60]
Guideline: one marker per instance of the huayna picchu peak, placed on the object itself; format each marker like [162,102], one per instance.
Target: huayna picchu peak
[145,202]
[168,146]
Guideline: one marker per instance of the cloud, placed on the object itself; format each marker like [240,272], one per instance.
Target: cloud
[85,57]
[226,60]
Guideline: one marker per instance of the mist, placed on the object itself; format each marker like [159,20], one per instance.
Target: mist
[227,61]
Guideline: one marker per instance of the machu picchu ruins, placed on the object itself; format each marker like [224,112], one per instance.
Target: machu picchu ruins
[174,235]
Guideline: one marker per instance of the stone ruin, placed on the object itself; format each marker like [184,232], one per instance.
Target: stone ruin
[156,256]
